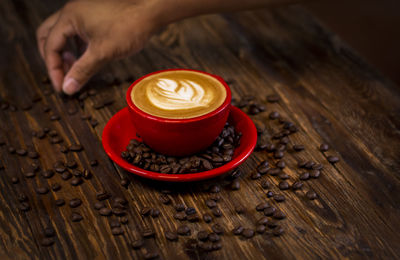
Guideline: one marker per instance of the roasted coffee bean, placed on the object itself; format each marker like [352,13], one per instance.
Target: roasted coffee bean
[124,220]
[21,152]
[260,229]
[297,185]
[305,176]
[47,241]
[215,197]
[150,255]
[278,231]
[94,162]
[74,203]
[202,235]
[235,185]
[190,210]
[248,233]
[75,217]
[60,202]
[93,122]
[180,215]
[64,149]
[253,109]
[26,106]
[211,203]
[56,140]
[263,169]
[105,211]
[22,197]
[270,147]
[11,149]
[114,223]
[278,214]
[14,180]
[270,194]
[49,232]
[54,117]
[179,207]
[236,173]
[281,147]
[164,199]
[274,171]
[116,231]
[278,155]
[238,230]
[262,206]
[216,212]
[262,221]
[24,206]
[274,115]
[47,174]
[309,164]
[76,147]
[146,233]
[311,195]
[52,133]
[255,175]
[281,164]
[333,159]
[301,164]
[265,184]
[283,185]
[284,140]
[33,155]
[120,200]
[318,166]
[272,98]
[324,147]
[60,169]
[184,230]
[272,224]
[155,213]
[171,236]
[102,195]
[213,237]
[215,189]
[217,228]
[137,244]
[269,211]
[99,205]
[42,190]
[86,174]
[279,198]
[207,218]
[76,181]
[298,147]
[283,176]
[66,176]
[315,173]
[125,182]
[71,164]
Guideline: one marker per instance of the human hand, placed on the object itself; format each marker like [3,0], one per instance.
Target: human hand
[110,29]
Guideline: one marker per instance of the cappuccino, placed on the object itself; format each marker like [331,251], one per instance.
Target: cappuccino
[178,94]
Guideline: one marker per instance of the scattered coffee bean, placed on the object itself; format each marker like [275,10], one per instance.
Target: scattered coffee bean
[305,176]
[260,229]
[180,215]
[239,209]
[102,195]
[47,241]
[66,176]
[60,202]
[164,199]
[179,207]
[73,203]
[315,173]
[278,155]
[272,98]
[33,155]
[297,185]
[255,176]
[171,236]
[21,152]
[279,198]
[215,189]
[262,221]
[184,230]
[75,217]
[155,213]
[298,147]
[190,210]
[71,164]
[47,174]
[265,184]
[76,147]
[86,174]
[281,164]
[248,233]
[270,194]
[11,149]
[137,244]
[207,218]
[56,140]
[311,195]
[216,212]
[274,171]
[49,232]
[42,190]
[215,197]
[124,220]
[114,223]
[283,176]
[146,233]
[99,205]
[333,159]
[116,231]
[318,166]
[235,185]
[309,164]
[283,185]
[269,211]
[324,147]
[217,228]
[105,211]
[24,206]
[202,235]
[238,230]
[54,117]
[213,237]
[150,255]
[278,214]
[14,180]
[211,203]
[274,115]
[262,206]
[76,181]
[22,197]
[278,231]
[93,122]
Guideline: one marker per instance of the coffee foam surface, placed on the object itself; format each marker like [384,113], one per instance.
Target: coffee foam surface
[178,94]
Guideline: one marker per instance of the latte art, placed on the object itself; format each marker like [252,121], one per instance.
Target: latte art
[178,94]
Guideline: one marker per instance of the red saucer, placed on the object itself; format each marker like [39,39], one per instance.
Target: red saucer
[119,130]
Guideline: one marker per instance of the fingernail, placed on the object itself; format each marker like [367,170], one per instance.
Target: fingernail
[70,86]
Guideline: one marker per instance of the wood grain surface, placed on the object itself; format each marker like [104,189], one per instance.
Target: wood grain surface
[324,88]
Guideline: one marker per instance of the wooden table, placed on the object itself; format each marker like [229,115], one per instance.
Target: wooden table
[330,93]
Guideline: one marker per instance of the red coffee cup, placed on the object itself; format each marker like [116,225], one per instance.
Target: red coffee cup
[179,137]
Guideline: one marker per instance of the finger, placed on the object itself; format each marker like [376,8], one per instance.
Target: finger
[54,45]
[68,59]
[43,31]
[82,70]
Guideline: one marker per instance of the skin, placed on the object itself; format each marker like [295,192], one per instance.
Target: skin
[114,29]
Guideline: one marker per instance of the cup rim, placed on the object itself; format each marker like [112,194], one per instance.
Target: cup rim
[225,104]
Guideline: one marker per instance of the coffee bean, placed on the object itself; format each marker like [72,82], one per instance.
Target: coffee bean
[76,147]
[235,185]
[217,228]
[60,169]
[124,220]
[24,206]
[146,233]
[114,223]
[180,215]
[171,236]
[54,117]
[179,207]
[60,202]
[274,115]
[333,159]
[33,155]
[66,176]
[262,206]
[202,235]
[315,173]
[47,241]
[278,214]
[265,184]
[270,194]
[284,140]
[324,147]
[76,181]
[215,189]
[272,98]
[262,221]
[26,106]
[283,176]
[309,164]
[279,198]
[75,217]
[211,203]
[311,195]
[270,147]
[154,213]
[73,203]
[236,173]
[190,210]
[274,171]
[248,233]
[99,205]
[22,197]
[238,230]
[184,230]
[278,231]
[207,218]
[255,176]
[297,185]
[269,211]
[56,140]
[260,229]
[298,147]
[253,110]
[116,231]
[14,180]
[47,174]
[64,149]
[71,164]
[283,185]
[213,237]
[305,176]
[21,152]
[318,166]
[42,190]
[164,199]
[102,195]
[49,232]
[93,122]
[281,164]
[11,149]
[216,212]
[215,197]
[105,211]
[150,255]
[137,244]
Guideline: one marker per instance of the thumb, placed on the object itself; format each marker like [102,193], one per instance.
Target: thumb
[81,71]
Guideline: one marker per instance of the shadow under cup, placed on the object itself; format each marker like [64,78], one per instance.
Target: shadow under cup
[179,137]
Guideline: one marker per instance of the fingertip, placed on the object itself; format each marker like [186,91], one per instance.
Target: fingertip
[70,86]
